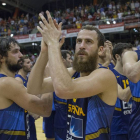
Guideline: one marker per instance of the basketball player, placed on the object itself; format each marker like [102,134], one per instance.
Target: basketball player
[60,119]
[22,77]
[91,95]
[105,56]
[56,124]
[131,68]
[123,107]
[14,97]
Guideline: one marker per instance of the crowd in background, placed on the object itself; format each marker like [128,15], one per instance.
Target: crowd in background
[26,24]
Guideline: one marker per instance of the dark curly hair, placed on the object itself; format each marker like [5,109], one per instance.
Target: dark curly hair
[120,47]
[5,45]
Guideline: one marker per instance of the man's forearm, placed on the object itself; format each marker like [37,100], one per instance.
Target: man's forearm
[36,76]
[59,74]
[132,71]
[124,94]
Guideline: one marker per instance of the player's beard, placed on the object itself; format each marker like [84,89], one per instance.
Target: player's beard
[85,66]
[27,70]
[13,67]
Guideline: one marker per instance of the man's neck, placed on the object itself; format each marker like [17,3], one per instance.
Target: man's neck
[84,74]
[101,61]
[119,68]
[23,73]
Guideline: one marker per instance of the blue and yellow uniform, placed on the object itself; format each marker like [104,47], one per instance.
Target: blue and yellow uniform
[32,128]
[13,122]
[48,124]
[134,129]
[120,121]
[110,66]
[88,118]
[60,120]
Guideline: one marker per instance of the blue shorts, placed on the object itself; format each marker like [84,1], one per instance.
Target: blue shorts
[48,125]
[119,137]
[32,128]
[60,133]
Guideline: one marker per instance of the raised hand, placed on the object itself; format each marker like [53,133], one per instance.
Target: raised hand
[51,32]
[108,55]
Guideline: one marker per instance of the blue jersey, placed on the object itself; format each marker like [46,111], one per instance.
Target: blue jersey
[120,121]
[48,123]
[134,130]
[88,118]
[31,120]
[24,80]
[13,122]
[60,119]
[110,66]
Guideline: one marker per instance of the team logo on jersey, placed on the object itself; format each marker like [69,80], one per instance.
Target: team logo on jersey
[74,100]
[76,127]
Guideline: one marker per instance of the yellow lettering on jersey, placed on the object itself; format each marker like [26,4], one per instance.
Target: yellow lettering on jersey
[75,110]
[81,112]
[125,83]
[69,108]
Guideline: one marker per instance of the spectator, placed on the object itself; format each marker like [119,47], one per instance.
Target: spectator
[25,29]
[74,19]
[63,21]
[25,20]
[125,13]
[110,6]
[89,16]
[137,5]
[82,12]
[118,6]
[114,14]
[113,6]
[103,15]
[21,30]
[137,14]
[128,12]
[132,5]
[120,14]
[12,21]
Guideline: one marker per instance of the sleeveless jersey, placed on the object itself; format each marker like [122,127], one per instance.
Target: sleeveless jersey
[134,130]
[88,118]
[24,80]
[30,119]
[13,122]
[60,119]
[110,66]
[120,121]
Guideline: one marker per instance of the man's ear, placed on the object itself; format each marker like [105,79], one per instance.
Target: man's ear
[63,60]
[117,57]
[100,50]
[2,59]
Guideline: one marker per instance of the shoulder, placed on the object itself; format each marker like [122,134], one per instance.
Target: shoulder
[106,78]
[131,54]
[19,79]
[10,85]
[103,73]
